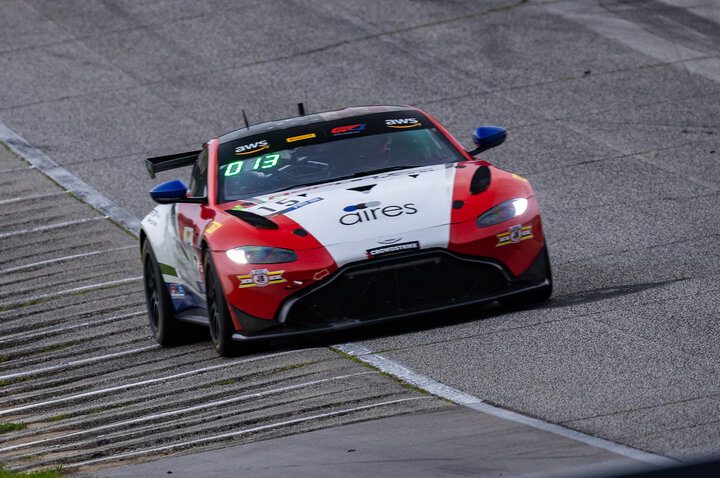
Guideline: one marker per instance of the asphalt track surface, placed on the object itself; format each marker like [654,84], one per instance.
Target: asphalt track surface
[613,114]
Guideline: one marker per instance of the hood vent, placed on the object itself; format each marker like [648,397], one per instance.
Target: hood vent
[253,219]
[363,189]
[480,180]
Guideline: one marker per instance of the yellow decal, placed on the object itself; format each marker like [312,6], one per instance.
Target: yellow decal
[514,235]
[212,227]
[520,178]
[261,278]
[301,137]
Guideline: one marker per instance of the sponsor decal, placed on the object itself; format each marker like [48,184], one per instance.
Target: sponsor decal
[514,235]
[286,205]
[261,278]
[371,211]
[177,291]
[212,227]
[402,123]
[520,178]
[349,129]
[292,139]
[394,248]
[188,235]
[252,148]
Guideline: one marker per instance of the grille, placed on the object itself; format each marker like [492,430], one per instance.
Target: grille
[402,285]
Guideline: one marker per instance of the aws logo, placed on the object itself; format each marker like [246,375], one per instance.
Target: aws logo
[402,123]
[372,211]
[252,147]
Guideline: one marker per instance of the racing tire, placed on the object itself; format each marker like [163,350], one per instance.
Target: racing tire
[533,296]
[165,328]
[221,324]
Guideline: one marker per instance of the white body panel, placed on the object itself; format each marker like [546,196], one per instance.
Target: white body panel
[351,217]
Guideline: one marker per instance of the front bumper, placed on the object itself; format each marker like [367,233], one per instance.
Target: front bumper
[372,292]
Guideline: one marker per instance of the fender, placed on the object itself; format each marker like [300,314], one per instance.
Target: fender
[158,228]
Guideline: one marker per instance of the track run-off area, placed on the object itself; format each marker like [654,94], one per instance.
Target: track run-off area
[612,114]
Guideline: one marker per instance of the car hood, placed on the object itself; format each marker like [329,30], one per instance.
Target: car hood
[352,217]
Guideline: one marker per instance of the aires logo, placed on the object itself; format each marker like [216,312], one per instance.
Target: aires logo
[402,247]
[349,129]
[371,211]
[252,147]
[402,123]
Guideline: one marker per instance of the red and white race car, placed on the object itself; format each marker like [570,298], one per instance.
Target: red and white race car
[327,221]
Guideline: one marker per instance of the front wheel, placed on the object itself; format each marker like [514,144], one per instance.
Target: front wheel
[221,324]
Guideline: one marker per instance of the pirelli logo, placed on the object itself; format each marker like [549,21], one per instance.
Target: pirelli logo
[514,235]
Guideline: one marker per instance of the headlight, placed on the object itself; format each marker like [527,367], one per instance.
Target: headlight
[503,212]
[260,255]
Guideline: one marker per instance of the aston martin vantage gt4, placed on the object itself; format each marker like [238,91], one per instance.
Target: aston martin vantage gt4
[332,220]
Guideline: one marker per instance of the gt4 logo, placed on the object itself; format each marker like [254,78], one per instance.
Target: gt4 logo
[349,129]
[252,147]
[402,123]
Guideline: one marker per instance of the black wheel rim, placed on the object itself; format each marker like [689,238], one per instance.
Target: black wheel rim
[151,293]
[213,314]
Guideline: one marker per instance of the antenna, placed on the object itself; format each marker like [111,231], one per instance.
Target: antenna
[247,125]
[301,109]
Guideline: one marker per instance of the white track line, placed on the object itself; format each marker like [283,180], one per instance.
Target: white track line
[74,363]
[142,383]
[31,197]
[51,226]
[454,395]
[58,330]
[611,26]
[65,258]
[180,411]
[67,180]
[75,290]
[14,170]
[247,431]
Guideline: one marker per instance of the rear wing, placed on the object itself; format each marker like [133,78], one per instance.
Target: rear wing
[171,161]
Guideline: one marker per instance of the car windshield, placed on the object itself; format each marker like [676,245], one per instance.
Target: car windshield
[327,151]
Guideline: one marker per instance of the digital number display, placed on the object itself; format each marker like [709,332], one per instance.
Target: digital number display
[267,161]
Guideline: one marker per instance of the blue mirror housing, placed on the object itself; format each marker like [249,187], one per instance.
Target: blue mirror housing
[486,137]
[169,192]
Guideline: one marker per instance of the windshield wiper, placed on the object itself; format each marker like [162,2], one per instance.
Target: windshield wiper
[350,176]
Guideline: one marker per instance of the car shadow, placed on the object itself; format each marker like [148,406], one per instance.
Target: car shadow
[439,320]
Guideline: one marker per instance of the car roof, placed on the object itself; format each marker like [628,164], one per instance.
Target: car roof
[349,112]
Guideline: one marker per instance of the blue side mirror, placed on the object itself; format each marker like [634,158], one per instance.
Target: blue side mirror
[486,137]
[169,192]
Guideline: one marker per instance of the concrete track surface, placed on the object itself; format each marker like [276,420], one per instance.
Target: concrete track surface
[613,111]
